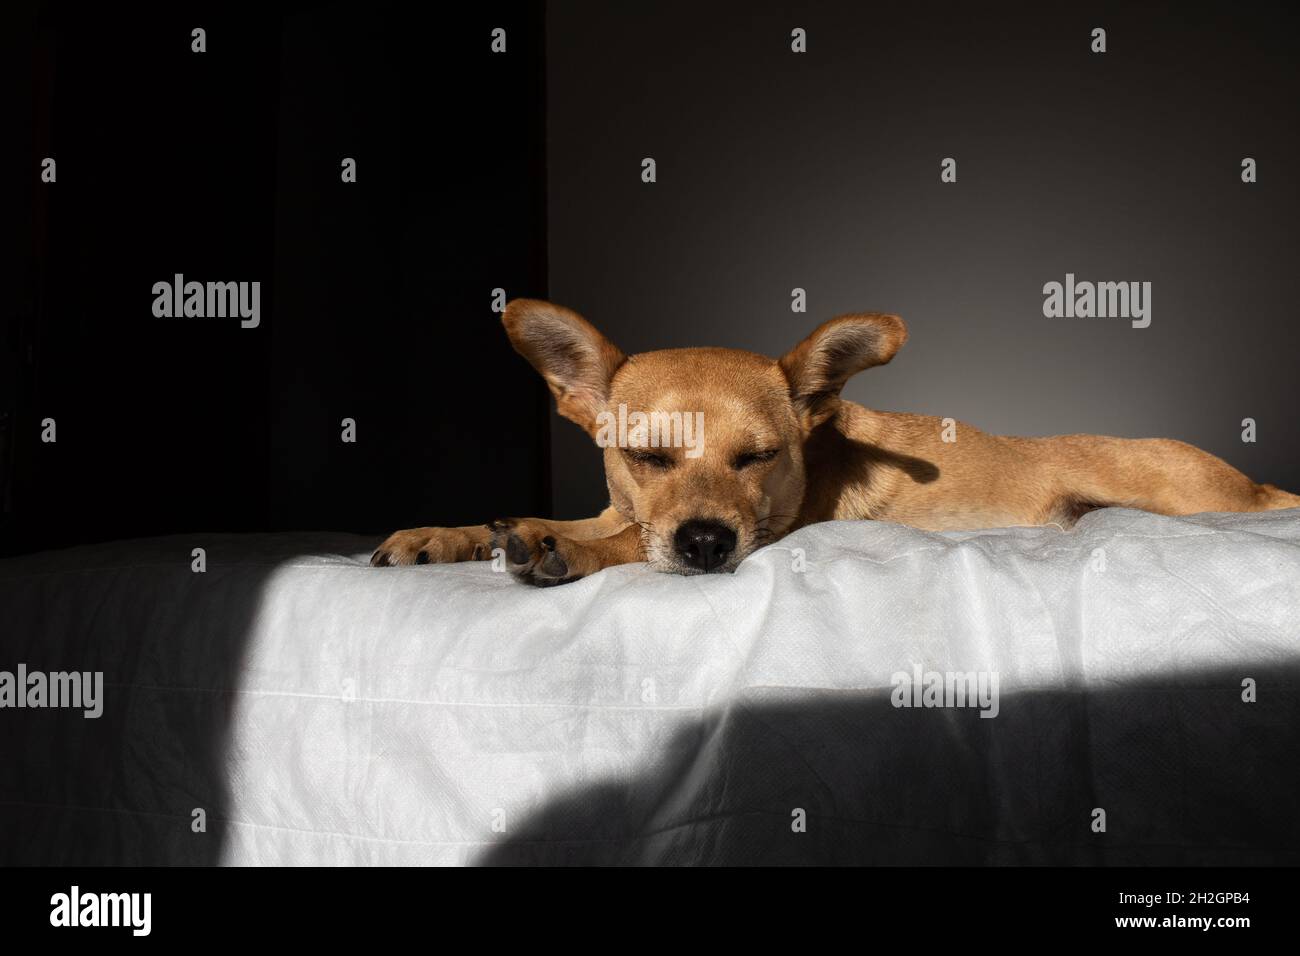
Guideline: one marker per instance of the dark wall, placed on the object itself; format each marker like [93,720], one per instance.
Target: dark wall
[376,296]
[163,167]
[448,206]
[821,171]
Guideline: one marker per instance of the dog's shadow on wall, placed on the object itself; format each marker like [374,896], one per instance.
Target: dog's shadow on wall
[1185,772]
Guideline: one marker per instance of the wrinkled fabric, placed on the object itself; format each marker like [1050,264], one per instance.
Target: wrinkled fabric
[313,710]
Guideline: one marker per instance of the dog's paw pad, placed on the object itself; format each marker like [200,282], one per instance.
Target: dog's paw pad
[552,564]
[517,551]
[535,557]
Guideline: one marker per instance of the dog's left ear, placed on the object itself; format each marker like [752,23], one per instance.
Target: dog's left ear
[576,360]
[818,367]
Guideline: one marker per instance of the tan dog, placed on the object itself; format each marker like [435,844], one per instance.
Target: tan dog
[781,450]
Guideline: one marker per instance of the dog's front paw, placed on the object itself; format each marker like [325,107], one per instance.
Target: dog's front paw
[537,556]
[432,546]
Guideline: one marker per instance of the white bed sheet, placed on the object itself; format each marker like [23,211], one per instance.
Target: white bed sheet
[319,711]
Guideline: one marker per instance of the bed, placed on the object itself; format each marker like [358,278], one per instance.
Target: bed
[272,699]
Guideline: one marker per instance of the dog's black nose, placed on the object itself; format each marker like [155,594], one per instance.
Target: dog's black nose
[704,544]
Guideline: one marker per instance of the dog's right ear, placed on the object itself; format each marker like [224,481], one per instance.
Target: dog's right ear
[576,360]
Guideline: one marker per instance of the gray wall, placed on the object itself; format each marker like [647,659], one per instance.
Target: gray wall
[821,170]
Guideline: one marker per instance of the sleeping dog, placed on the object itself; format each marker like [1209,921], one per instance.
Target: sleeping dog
[777,448]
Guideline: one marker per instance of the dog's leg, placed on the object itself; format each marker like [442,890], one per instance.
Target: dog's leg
[1159,475]
[535,555]
[603,525]
[1273,498]
[474,542]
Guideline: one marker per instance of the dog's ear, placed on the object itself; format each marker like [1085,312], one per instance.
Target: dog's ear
[818,367]
[576,360]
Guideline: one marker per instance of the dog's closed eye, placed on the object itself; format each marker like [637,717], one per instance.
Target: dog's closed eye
[746,459]
[651,459]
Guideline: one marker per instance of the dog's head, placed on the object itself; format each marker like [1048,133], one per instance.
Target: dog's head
[703,447]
